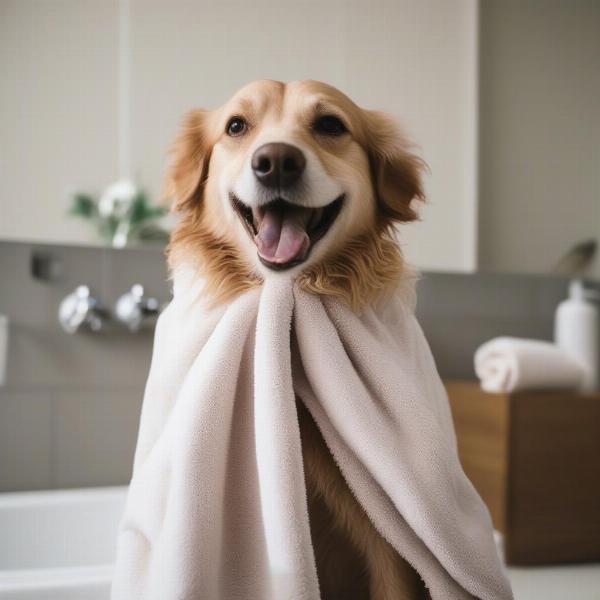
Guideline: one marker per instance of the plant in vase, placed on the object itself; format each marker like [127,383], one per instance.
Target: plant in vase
[122,214]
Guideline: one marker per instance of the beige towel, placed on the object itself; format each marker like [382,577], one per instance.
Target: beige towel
[217,505]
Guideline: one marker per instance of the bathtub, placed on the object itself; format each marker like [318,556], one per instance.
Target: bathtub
[58,545]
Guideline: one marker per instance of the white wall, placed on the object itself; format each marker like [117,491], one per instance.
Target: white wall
[540,131]
[414,58]
[58,112]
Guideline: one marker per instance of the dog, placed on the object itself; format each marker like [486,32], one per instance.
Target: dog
[296,177]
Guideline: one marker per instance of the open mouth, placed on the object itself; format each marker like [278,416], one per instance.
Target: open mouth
[285,233]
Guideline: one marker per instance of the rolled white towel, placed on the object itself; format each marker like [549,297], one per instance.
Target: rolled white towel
[507,364]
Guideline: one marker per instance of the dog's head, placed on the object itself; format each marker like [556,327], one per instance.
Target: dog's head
[290,177]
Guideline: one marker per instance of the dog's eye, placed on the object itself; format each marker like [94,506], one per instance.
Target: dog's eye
[329,125]
[236,126]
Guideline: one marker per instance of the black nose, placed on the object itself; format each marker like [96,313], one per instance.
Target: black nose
[278,165]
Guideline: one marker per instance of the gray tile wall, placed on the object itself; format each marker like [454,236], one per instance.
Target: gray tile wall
[458,312]
[69,410]
[70,406]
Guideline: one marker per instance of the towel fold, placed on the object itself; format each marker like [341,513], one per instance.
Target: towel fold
[217,505]
[507,364]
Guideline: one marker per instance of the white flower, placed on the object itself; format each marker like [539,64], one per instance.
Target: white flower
[117,199]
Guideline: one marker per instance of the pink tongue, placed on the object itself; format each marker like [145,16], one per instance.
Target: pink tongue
[282,237]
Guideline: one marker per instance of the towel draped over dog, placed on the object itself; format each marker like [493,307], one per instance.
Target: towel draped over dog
[217,506]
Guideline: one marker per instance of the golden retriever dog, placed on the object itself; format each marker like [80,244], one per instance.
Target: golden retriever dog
[296,177]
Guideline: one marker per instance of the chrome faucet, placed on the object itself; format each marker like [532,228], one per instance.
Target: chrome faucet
[81,309]
[134,309]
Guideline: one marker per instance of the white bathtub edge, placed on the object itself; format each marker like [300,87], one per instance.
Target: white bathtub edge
[31,579]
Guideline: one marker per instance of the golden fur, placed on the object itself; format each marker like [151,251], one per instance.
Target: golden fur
[366,267]
[354,562]
[358,268]
[357,263]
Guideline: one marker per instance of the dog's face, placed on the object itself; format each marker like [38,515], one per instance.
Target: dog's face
[289,174]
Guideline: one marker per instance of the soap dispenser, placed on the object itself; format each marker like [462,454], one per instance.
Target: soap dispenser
[576,331]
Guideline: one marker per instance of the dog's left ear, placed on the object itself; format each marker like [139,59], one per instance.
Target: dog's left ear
[188,168]
[396,171]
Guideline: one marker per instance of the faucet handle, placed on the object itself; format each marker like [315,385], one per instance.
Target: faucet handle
[81,308]
[134,308]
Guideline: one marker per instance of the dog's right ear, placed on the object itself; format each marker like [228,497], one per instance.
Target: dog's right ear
[188,166]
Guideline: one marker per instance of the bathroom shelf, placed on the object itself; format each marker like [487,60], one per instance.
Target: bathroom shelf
[534,457]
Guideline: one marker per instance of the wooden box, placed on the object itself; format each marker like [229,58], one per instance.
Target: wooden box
[534,457]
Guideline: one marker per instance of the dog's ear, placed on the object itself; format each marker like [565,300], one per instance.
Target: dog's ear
[188,166]
[396,171]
